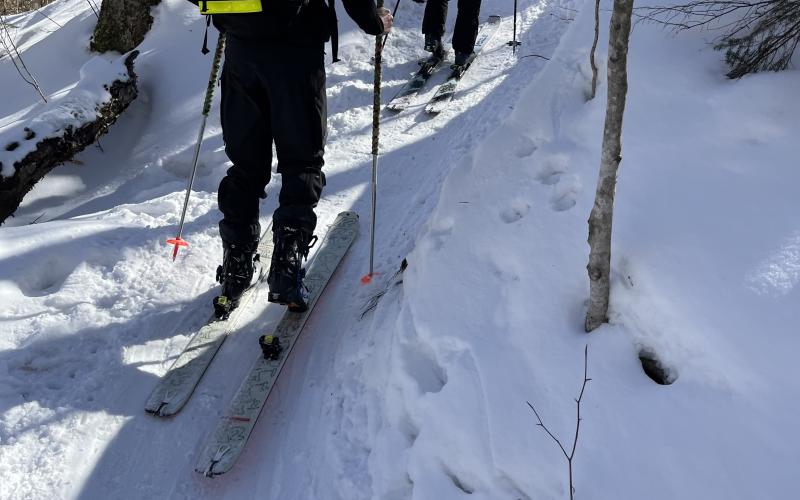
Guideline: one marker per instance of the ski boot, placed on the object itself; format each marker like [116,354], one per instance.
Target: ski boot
[463,59]
[271,347]
[235,275]
[433,44]
[286,272]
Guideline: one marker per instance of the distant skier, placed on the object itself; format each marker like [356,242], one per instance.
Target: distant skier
[273,90]
[464,34]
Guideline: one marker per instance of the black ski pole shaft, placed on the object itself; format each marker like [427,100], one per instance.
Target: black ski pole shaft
[394,13]
[514,43]
[212,80]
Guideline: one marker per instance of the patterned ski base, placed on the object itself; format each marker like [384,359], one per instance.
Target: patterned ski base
[444,94]
[226,443]
[409,92]
[178,384]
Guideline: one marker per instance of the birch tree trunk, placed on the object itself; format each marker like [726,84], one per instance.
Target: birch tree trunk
[122,25]
[600,219]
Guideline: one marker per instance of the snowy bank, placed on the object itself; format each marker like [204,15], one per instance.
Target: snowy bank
[58,130]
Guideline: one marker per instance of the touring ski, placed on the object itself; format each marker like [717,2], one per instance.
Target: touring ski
[409,92]
[178,384]
[227,441]
[444,94]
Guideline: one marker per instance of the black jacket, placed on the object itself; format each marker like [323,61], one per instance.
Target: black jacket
[313,25]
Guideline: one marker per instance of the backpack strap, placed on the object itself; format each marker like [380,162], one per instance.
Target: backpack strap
[333,25]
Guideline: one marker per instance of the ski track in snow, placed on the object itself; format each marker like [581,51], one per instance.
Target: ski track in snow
[422,398]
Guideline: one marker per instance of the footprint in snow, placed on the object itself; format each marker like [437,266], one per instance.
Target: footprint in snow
[516,211]
[525,147]
[423,368]
[565,193]
[551,169]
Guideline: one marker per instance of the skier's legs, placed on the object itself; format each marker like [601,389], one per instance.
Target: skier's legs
[246,131]
[466,29]
[296,87]
[434,18]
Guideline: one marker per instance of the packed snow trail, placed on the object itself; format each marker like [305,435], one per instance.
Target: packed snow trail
[425,396]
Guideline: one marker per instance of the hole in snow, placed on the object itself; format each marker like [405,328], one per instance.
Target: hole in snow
[459,483]
[655,368]
[421,366]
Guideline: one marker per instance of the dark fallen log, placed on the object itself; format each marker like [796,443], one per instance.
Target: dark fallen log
[63,145]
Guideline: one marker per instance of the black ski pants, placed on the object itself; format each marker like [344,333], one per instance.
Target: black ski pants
[271,94]
[466,29]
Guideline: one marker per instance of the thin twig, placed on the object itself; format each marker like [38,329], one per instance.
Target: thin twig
[34,221]
[571,455]
[594,47]
[536,55]
[541,424]
[48,17]
[372,303]
[7,41]
[94,8]
[756,35]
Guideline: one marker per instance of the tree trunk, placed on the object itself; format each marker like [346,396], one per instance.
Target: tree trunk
[600,219]
[122,25]
[51,151]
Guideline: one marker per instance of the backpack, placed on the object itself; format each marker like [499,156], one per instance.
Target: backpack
[287,9]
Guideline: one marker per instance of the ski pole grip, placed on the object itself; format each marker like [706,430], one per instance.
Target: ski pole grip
[376,91]
[212,80]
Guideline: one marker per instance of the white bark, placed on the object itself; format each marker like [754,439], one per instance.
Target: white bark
[600,219]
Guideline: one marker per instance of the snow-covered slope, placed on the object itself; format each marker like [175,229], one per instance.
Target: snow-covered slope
[425,397]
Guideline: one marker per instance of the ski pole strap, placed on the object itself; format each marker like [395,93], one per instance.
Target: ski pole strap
[212,79]
[333,25]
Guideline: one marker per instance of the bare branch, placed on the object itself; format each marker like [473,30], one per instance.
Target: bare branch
[757,35]
[536,55]
[571,455]
[594,47]
[541,424]
[47,17]
[94,8]
[7,41]
[586,380]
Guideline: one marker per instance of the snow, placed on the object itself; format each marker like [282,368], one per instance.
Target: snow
[72,109]
[425,396]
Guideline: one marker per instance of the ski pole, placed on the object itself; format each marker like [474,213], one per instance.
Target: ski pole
[212,80]
[376,112]
[514,43]
[394,14]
